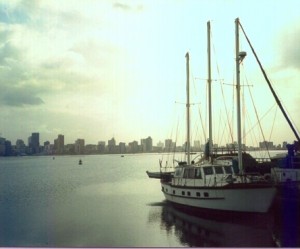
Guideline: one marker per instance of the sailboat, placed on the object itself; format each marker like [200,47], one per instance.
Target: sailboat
[218,184]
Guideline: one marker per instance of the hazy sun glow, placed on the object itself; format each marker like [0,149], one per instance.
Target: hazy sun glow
[103,69]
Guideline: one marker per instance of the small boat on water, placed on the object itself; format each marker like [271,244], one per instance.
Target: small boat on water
[159,174]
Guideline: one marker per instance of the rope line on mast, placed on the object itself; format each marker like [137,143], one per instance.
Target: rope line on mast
[270,86]
[273,124]
[221,81]
[258,121]
[263,116]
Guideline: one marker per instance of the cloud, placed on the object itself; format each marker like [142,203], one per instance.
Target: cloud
[34,67]
[16,15]
[20,97]
[121,6]
[18,12]
[288,46]
[15,87]
[7,51]
[127,7]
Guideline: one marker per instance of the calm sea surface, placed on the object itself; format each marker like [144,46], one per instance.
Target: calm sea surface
[109,201]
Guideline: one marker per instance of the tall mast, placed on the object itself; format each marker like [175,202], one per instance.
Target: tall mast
[209,89]
[188,144]
[238,88]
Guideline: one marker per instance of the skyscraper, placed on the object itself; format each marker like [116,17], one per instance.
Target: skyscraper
[79,146]
[20,147]
[2,146]
[133,147]
[101,146]
[146,144]
[169,145]
[59,144]
[34,143]
[111,145]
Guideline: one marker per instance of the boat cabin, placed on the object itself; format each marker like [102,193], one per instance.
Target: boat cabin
[202,175]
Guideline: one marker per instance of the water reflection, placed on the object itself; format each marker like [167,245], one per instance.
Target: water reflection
[207,229]
[286,213]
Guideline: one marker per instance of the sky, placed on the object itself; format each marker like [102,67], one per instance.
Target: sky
[102,69]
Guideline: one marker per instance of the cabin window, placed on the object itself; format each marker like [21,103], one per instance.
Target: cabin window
[218,169]
[191,173]
[228,169]
[163,189]
[186,173]
[198,174]
[208,170]
[198,194]
[183,193]
[189,193]
[174,192]
[178,172]
[206,194]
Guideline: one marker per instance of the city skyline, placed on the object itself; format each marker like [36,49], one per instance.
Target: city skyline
[103,69]
[34,138]
[36,147]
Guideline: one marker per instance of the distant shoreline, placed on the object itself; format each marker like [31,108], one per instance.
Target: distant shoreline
[138,153]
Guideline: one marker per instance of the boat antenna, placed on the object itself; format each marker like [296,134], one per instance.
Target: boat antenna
[188,108]
[270,86]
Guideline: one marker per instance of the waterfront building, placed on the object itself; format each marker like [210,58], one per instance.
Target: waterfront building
[146,144]
[266,145]
[133,147]
[91,149]
[34,143]
[70,149]
[233,146]
[160,145]
[8,148]
[122,148]
[2,146]
[48,148]
[111,146]
[20,147]
[59,144]
[79,146]
[101,147]
[284,144]
[169,145]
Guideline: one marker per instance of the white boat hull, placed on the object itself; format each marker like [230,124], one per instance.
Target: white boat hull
[253,199]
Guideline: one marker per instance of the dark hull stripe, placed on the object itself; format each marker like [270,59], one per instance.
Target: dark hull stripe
[230,186]
[196,198]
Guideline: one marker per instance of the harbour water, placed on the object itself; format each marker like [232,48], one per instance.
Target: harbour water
[109,201]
